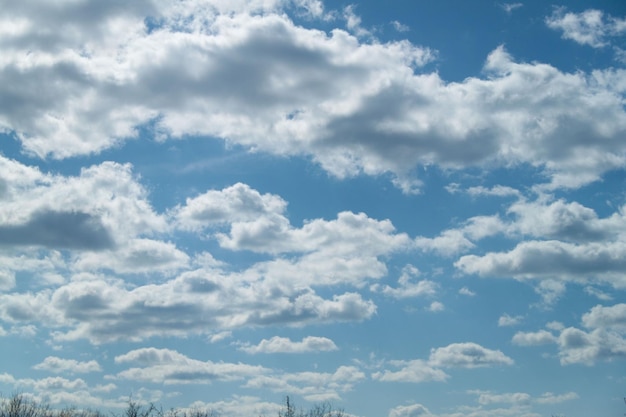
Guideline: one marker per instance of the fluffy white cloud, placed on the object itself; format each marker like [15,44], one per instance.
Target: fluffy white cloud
[408,285]
[415,371]
[456,355]
[60,365]
[486,398]
[198,302]
[541,337]
[552,258]
[136,256]
[248,74]
[507,320]
[467,355]
[313,386]
[603,341]
[285,345]
[551,398]
[603,317]
[60,391]
[586,28]
[234,204]
[413,410]
[103,205]
[170,367]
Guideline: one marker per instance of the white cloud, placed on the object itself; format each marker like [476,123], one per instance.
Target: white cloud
[486,398]
[237,406]
[449,242]
[194,303]
[541,337]
[7,280]
[234,204]
[98,209]
[285,345]
[456,355]
[467,355]
[598,293]
[413,410]
[436,307]
[59,391]
[510,7]
[552,259]
[605,340]
[136,256]
[466,291]
[400,27]
[97,305]
[497,191]
[60,365]
[415,371]
[408,285]
[578,346]
[606,317]
[170,367]
[360,106]
[313,386]
[571,222]
[551,398]
[586,28]
[507,320]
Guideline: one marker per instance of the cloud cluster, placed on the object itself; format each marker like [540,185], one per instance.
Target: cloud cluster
[279,344]
[456,355]
[603,340]
[590,27]
[248,74]
[553,242]
[60,365]
[87,291]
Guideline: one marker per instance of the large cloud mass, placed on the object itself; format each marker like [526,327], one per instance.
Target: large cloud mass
[253,77]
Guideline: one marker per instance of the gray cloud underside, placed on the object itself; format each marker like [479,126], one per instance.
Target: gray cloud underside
[52,229]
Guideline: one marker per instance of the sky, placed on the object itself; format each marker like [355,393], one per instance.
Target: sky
[405,208]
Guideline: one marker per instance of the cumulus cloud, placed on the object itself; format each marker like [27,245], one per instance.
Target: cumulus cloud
[604,339]
[551,398]
[467,355]
[90,300]
[590,27]
[507,320]
[251,76]
[198,302]
[59,391]
[413,410]
[552,258]
[415,371]
[601,316]
[170,367]
[486,398]
[234,204]
[99,209]
[456,355]
[60,365]
[285,345]
[541,337]
[313,386]
[521,399]
[103,312]
[510,7]
[408,285]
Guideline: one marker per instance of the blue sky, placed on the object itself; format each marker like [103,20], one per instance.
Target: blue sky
[406,208]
